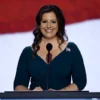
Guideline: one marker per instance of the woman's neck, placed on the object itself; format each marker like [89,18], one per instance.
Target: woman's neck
[52,40]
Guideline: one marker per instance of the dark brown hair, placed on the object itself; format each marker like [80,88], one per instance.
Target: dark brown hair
[61,25]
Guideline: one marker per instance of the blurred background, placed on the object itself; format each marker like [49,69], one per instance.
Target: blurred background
[17,21]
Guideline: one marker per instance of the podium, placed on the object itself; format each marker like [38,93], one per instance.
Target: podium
[50,95]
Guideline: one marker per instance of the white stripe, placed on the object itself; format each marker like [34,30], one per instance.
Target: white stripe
[85,34]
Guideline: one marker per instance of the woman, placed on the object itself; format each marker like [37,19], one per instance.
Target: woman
[66,60]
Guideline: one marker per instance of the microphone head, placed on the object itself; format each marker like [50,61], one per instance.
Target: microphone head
[49,47]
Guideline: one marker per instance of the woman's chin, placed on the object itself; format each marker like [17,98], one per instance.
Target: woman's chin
[50,37]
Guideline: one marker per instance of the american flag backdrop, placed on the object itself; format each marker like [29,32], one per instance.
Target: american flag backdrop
[17,21]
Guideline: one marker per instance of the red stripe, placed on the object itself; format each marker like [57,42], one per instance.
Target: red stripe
[19,15]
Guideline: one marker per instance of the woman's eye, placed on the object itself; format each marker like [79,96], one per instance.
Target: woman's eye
[43,21]
[53,21]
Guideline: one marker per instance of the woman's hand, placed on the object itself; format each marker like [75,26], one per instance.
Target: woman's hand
[56,90]
[38,89]
[50,89]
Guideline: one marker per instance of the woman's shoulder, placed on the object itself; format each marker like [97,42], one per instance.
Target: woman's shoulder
[72,46]
[27,49]
[71,43]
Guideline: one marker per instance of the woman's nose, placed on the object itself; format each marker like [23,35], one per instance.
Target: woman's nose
[48,25]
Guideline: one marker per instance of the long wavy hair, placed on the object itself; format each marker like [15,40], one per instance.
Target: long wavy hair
[61,25]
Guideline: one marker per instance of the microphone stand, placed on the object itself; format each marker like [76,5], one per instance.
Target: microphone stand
[48,60]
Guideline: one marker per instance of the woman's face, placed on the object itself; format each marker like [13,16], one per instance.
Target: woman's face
[49,25]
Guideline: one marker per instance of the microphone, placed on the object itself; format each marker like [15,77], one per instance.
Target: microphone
[49,47]
[49,55]
[48,58]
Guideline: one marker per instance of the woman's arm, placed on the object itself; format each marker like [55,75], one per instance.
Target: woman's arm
[21,88]
[78,68]
[24,88]
[71,87]
[22,76]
